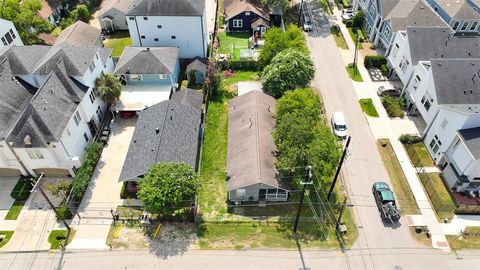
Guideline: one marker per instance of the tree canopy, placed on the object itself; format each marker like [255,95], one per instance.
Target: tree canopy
[289,70]
[167,187]
[108,87]
[24,15]
[282,4]
[301,136]
[277,40]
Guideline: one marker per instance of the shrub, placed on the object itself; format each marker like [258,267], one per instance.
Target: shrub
[84,173]
[63,213]
[374,61]
[346,3]
[384,69]
[409,139]
[349,23]
[360,35]
[358,19]
[21,191]
[393,106]
[238,65]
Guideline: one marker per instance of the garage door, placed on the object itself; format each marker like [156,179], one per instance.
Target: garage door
[52,172]
[9,172]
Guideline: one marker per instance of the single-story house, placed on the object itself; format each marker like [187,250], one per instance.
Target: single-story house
[149,76]
[251,172]
[246,16]
[112,14]
[199,66]
[169,131]
[80,34]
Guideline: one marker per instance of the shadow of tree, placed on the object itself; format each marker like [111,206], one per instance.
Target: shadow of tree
[173,239]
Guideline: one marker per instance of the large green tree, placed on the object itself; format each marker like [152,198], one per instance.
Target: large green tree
[167,187]
[301,136]
[108,87]
[289,70]
[24,15]
[277,40]
[282,4]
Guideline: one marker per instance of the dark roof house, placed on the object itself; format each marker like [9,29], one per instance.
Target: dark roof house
[245,15]
[166,132]
[140,60]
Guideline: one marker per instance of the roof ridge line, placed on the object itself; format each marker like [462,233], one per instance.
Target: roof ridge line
[257,136]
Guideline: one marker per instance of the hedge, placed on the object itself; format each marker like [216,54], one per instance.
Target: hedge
[84,173]
[238,65]
[21,191]
[374,61]
[410,139]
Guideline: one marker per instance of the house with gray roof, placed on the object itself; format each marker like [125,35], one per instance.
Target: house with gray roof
[170,23]
[49,108]
[461,15]
[80,34]
[169,131]
[251,171]
[149,76]
[112,14]
[199,68]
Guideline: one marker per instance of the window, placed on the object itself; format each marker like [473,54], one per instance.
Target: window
[247,13]
[77,118]
[404,65]
[444,123]
[162,76]
[35,154]
[135,77]
[155,39]
[455,25]
[240,193]
[159,26]
[464,26]
[9,38]
[457,142]
[12,33]
[92,95]
[142,37]
[416,82]
[174,37]
[282,194]
[237,23]
[4,41]
[371,11]
[386,32]
[473,185]
[426,103]
[145,18]
[395,50]
[92,66]
[85,136]
[435,144]
[131,18]
[473,26]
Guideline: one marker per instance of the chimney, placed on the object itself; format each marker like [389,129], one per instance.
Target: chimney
[27,140]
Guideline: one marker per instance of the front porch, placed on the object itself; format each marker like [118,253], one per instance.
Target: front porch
[139,97]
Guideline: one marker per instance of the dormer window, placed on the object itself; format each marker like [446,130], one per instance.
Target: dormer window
[247,13]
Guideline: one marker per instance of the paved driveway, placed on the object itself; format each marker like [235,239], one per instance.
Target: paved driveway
[7,183]
[103,192]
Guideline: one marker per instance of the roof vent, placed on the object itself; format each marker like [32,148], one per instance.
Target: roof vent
[465,92]
[157,131]
[27,140]
[153,150]
[148,48]
[45,101]
[251,123]
[171,118]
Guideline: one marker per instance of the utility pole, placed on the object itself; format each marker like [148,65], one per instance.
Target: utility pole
[300,15]
[36,184]
[355,56]
[302,196]
[330,192]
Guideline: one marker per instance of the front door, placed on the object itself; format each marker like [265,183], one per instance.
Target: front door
[92,126]
[262,194]
[263,29]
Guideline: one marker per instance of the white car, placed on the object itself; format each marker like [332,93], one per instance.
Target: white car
[339,124]
[307,24]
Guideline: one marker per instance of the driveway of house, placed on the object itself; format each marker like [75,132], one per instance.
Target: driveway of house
[103,193]
[7,183]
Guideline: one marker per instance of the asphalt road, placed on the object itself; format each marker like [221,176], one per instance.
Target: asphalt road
[363,166]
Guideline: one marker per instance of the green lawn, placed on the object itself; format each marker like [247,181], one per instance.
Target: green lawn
[470,240]
[338,37]
[368,107]
[439,197]
[8,236]
[232,43]
[401,188]
[421,154]
[353,35]
[57,237]
[15,210]
[241,76]
[117,42]
[357,76]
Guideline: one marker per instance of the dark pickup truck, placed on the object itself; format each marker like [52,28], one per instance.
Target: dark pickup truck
[385,202]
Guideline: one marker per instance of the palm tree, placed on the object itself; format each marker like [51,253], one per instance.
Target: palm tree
[108,87]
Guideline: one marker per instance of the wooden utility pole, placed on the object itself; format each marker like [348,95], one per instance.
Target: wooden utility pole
[330,192]
[302,197]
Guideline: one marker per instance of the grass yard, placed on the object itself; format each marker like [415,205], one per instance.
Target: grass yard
[353,35]
[440,198]
[117,42]
[8,235]
[241,76]
[57,237]
[368,108]
[357,76]
[421,154]
[231,43]
[470,239]
[338,37]
[15,210]
[56,31]
[407,203]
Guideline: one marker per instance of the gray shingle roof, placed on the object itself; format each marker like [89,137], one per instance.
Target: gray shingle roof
[457,81]
[458,9]
[471,138]
[413,13]
[234,7]
[198,64]
[142,60]
[167,8]
[440,42]
[105,53]
[120,5]
[386,6]
[190,97]
[177,139]
[250,151]
[79,34]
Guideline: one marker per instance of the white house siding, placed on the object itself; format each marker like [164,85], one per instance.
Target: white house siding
[119,20]
[460,156]
[397,55]
[6,35]
[252,192]
[416,91]
[8,160]
[190,33]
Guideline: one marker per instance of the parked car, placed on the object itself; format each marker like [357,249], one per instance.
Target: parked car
[347,14]
[339,125]
[385,201]
[393,92]
[307,24]
[347,10]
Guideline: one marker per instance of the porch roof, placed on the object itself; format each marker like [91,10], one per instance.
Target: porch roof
[139,97]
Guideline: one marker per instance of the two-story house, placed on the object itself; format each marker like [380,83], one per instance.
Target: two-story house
[462,16]
[149,75]
[49,109]
[9,34]
[170,23]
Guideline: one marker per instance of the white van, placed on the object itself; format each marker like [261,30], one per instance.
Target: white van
[339,125]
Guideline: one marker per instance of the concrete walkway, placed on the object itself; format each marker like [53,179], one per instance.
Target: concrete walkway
[103,193]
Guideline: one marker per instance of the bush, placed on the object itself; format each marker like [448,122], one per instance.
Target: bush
[21,191]
[125,194]
[84,173]
[410,139]
[346,3]
[360,35]
[359,19]
[238,65]
[393,106]
[384,69]
[349,23]
[374,61]
[63,213]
